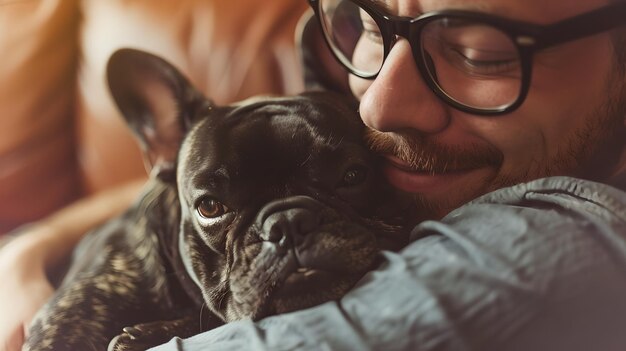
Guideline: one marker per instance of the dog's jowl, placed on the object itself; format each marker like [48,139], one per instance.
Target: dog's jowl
[266,206]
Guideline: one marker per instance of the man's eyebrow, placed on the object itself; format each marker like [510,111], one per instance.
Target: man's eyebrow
[473,7]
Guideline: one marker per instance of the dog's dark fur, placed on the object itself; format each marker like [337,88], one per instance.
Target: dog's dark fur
[261,207]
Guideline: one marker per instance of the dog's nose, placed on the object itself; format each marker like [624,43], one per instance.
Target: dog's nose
[292,217]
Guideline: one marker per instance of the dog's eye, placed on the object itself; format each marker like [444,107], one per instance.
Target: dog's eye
[354,176]
[211,208]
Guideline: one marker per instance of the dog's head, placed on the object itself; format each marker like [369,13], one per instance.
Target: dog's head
[282,207]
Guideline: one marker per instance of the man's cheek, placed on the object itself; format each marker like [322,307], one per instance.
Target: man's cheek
[358,86]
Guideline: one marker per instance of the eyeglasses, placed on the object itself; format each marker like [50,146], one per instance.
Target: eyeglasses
[475,62]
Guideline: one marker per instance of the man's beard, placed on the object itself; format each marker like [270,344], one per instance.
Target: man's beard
[591,152]
[426,156]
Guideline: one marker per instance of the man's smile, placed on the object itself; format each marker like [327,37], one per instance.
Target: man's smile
[402,176]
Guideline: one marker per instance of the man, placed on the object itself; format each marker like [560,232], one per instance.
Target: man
[468,104]
[462,104]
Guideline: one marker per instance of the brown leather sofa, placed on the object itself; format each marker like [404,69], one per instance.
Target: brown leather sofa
[62,139]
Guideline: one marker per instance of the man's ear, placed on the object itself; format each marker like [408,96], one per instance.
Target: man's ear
[158,103]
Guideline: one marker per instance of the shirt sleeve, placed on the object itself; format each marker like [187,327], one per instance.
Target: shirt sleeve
[539,266]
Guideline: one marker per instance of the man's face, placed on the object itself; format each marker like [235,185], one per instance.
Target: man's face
[571,123]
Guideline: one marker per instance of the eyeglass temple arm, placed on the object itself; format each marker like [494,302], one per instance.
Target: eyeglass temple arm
[584,25]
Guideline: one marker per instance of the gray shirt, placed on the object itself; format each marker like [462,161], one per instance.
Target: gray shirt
[538,266]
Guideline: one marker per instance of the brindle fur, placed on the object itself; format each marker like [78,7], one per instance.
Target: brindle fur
[123,274]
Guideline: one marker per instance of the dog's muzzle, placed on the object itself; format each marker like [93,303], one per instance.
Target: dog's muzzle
[287,221]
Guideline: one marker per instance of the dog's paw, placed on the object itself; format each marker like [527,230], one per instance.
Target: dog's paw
[147,335]
[138,338]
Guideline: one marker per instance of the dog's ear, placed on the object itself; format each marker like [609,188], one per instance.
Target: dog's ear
[158,103]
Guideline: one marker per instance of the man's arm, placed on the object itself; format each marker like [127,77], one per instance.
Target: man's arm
[29,257]
[540,266]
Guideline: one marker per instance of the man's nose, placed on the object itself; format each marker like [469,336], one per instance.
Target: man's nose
[399,99]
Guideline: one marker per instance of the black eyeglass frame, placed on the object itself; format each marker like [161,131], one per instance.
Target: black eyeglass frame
[527,37]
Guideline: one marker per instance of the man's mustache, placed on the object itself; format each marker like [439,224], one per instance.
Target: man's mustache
[422,155]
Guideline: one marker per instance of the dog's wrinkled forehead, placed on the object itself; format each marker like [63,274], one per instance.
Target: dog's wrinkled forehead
[329,114]
[265,139]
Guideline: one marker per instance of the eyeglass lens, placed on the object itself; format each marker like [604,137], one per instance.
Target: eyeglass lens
[472,63]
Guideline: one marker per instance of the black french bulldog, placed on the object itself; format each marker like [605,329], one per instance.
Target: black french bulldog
[262,207]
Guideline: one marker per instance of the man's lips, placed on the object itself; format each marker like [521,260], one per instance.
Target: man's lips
[412,180]
[401,165]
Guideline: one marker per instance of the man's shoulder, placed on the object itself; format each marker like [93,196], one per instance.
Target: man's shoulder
[538,208]
[562,192]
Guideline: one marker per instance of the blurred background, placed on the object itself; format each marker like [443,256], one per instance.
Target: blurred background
[61,138]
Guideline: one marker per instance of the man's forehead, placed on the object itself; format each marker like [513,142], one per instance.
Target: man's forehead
[537,11]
